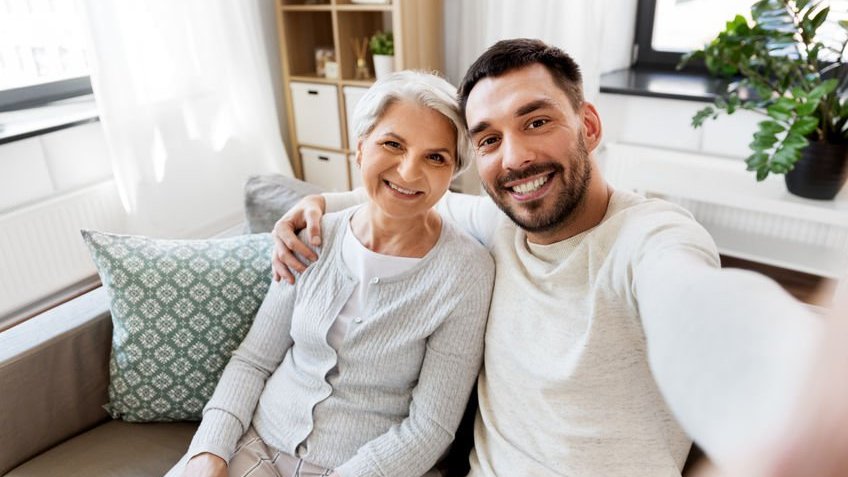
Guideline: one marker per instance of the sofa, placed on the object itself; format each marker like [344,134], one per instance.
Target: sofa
[54,375]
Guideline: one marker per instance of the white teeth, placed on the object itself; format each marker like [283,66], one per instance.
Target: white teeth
[401,189]
[531,186]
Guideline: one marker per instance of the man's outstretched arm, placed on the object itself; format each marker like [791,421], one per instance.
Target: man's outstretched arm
[814,440]
[729,349]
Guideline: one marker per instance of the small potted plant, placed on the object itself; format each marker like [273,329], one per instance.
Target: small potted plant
[382,46]
[797,81]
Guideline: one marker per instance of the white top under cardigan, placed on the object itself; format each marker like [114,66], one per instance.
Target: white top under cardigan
[606,352]
[404,374]
[365,265]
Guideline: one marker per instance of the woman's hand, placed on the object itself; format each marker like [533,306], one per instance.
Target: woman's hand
[306,213]
[205,465]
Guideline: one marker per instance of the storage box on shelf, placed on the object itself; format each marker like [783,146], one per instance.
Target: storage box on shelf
[326,169]
[316,114]
[320,108]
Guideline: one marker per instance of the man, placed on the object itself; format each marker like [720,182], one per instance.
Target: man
[613,337]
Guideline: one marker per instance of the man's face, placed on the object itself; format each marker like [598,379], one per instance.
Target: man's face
[531,147]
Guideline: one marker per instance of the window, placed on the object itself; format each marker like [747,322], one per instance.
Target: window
[666,29]
[42,52]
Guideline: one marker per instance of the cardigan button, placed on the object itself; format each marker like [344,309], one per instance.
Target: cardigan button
[375,280]
[357,320]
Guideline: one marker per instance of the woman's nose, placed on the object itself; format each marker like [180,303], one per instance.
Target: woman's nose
[409,168]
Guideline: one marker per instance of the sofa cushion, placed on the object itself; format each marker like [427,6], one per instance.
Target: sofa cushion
[53,377]
[179,309]
[268,197]
[114,449]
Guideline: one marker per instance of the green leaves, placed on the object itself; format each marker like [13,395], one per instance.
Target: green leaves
[781,110]
[781,63]
[702,115]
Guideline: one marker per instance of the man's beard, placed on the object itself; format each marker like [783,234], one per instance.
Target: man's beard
[571,197]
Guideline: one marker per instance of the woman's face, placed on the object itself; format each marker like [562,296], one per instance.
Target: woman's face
[408,159]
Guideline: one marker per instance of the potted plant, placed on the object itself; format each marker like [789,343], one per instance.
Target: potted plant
[795,79]
[382,46]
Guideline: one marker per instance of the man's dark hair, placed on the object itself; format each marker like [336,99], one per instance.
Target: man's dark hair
[507,55]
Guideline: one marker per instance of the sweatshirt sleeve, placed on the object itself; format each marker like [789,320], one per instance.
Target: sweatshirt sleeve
[477,215]
[728,348]
[451,363]
[337,201]
[228,413]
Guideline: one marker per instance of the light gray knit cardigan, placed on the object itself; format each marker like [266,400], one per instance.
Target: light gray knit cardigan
[388,403]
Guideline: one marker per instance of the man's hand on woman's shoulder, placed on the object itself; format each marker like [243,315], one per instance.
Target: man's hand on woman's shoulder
[305,214]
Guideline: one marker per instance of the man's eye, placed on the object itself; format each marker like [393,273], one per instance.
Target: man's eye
[537,123]
[488,141]
[437,158]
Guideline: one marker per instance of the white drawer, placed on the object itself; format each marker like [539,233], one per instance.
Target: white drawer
[325,169]
[352,95]
[355,172]
[316,114]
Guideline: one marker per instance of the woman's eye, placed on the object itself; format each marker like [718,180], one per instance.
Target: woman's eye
[392,144]
[537,123]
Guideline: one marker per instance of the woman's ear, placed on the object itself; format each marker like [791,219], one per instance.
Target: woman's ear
[359,153]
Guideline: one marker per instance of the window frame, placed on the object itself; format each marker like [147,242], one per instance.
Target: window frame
[14,99]
[645,54]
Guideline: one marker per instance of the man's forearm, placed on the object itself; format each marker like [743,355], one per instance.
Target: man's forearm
[729,350]
[336,201]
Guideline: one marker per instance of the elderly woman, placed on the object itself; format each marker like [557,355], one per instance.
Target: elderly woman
[364,366]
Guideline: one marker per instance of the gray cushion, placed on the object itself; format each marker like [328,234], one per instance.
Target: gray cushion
[268,197]
[114,449]
[179,309]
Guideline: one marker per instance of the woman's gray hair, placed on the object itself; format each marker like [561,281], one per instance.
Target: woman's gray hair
[420,88]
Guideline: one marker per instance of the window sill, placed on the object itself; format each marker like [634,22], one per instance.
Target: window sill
[660,83]
[26,123]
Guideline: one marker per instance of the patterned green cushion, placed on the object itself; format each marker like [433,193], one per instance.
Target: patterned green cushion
[179,309]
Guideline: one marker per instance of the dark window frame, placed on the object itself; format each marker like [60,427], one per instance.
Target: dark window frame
[646,56]
[42,94]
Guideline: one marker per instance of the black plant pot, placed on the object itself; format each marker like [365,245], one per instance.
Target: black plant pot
[820,172]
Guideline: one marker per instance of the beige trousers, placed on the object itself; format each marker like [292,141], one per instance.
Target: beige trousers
[253,458]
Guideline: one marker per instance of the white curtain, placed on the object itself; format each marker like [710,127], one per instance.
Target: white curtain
[598,34]
[184,90]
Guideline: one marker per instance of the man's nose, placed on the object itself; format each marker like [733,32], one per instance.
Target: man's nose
[516,153]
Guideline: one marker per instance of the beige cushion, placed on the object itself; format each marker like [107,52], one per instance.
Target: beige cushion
[53,376]
[114,449]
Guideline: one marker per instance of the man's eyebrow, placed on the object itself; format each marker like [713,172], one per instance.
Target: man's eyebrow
[478,128]
[526,109]
[533,106]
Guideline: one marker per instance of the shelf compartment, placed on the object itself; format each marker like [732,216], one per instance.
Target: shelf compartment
[309,30]
[358,24]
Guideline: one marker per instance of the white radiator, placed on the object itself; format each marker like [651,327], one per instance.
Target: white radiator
[41,251]
[760,222]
